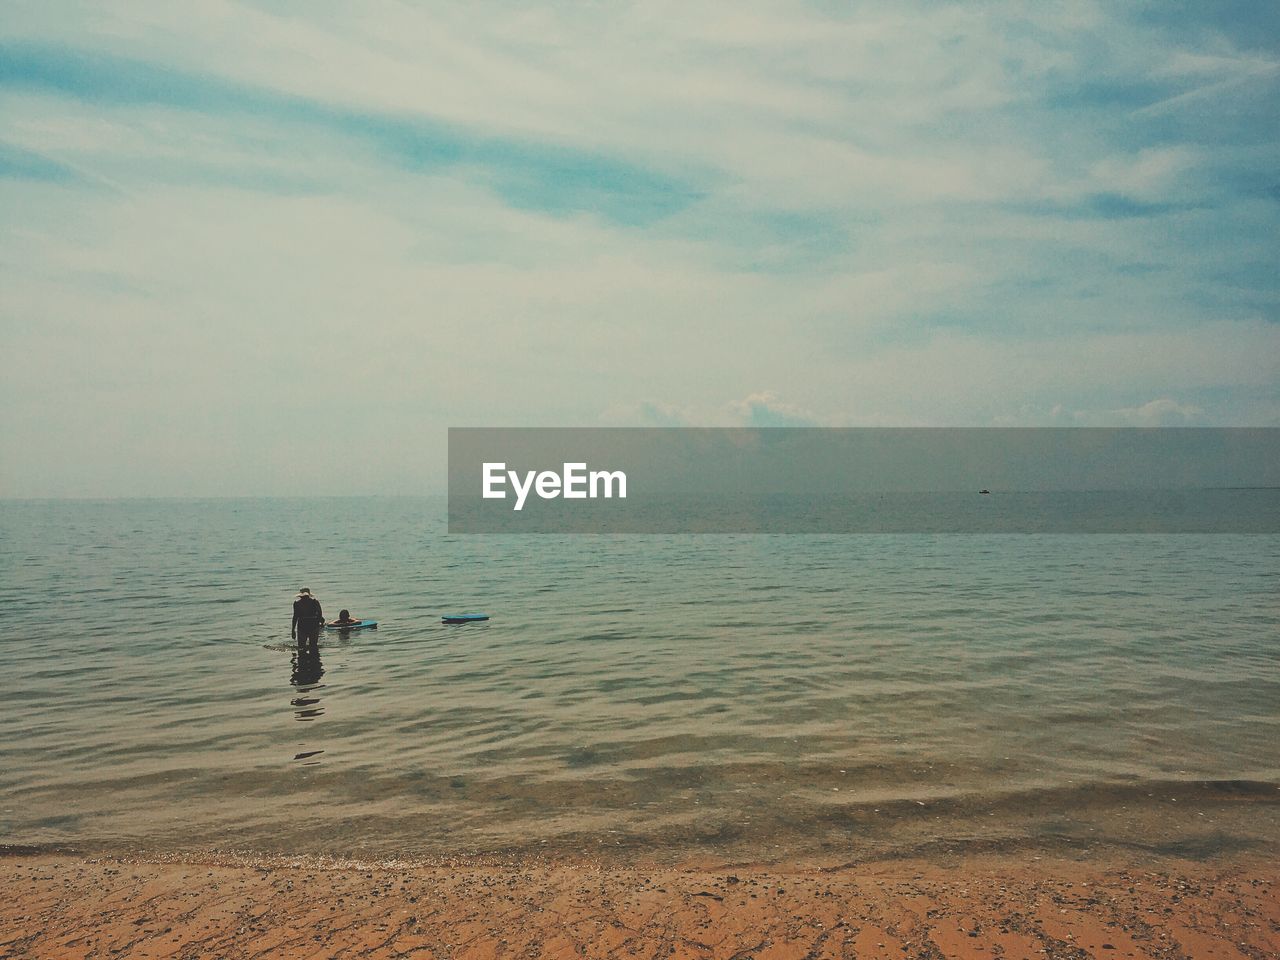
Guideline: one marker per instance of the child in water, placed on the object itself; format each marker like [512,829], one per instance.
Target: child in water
[344,619]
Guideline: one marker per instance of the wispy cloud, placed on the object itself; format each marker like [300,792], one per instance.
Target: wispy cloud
[21,164]
[525,172]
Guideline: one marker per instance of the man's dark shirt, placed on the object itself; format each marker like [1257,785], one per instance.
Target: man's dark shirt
[307,612]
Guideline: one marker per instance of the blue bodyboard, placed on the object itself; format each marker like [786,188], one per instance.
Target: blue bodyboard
[464,617]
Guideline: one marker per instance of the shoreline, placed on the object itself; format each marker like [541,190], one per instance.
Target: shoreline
[984,905]
[1192,819]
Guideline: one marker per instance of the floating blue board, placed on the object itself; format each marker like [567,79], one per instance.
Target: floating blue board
[464,617]
[353,625]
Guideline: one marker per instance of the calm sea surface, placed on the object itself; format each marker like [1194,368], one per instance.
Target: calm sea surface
[736,697]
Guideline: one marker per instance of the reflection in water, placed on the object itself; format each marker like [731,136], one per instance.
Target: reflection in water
[307,671]
[305,677]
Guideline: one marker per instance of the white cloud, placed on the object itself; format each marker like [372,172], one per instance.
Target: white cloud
[1148,173]
[765,409]
[1163,412]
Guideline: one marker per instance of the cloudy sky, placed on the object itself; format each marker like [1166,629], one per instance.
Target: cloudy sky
[245,241]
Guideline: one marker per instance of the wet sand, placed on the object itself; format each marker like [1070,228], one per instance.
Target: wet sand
[63,906]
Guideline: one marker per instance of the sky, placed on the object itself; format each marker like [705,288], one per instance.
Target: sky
[279,248]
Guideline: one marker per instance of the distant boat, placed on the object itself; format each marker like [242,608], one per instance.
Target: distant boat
[984,491]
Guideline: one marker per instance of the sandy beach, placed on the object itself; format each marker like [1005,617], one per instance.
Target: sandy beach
[63,906]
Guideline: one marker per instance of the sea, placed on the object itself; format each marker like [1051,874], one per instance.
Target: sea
[653,698]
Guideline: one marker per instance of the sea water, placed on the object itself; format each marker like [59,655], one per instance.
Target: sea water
[743,697]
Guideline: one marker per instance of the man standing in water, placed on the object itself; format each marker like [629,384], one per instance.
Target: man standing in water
[307,619]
